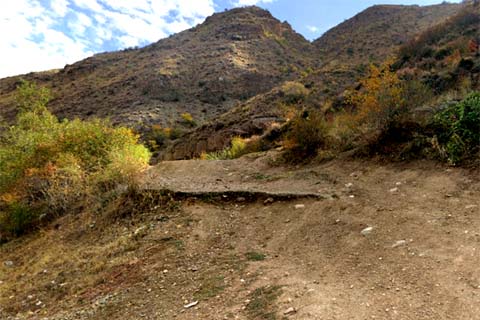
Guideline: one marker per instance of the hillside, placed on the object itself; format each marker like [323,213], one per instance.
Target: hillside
[209,69]
[204,71]
[375,33]
[445,56]
[437,57]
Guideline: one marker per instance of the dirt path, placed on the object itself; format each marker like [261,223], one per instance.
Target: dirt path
[252,173]
[298,259]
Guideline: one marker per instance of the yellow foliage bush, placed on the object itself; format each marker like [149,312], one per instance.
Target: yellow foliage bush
[383,100]
[47,165]
[188,119]
[238,147]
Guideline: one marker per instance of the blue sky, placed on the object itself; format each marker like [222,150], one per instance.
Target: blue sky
[47,34]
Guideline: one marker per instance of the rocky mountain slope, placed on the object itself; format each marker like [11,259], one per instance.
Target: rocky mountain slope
[205,71]
[375,33]
[326,84]
[228,73]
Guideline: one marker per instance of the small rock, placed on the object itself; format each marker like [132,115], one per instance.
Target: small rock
[351,196]
[470,206]
[393,190]
[299,206]
[8,263]
[399,243]
[241,199]
[354,175]
[268,200]
[140,232]
[349,185]
[191,304]
[289,311]
[366,231]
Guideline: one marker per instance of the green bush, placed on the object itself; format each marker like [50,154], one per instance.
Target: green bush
[18,219]
[308,133]
[294,92]
[458,128]
[47,165]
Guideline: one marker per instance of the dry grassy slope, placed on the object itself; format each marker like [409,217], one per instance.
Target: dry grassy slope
[442,55]
[375,33]
[206,70]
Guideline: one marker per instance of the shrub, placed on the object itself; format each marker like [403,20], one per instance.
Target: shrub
[238,147]
[187,118]
[384,100]
[294,92]
[307,133]
[156,136]
[30,97]
[19,219]
[458,128]
[47,165]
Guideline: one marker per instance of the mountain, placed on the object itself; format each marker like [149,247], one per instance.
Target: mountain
[205,71]
[229,73]
[446,56]
[376,32]
[333,73]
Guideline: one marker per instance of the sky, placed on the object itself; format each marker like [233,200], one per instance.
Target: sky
[39,35]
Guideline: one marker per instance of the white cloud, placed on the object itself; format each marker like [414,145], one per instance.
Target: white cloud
[31,44]
[239,3]
[48,34]
[80,24]
[60,7]
[313,29]
[150,20]
[88,4]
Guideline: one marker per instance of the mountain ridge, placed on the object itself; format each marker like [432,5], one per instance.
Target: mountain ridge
[216,70]
[205,71]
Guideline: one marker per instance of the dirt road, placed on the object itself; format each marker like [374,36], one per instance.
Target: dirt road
[384,241]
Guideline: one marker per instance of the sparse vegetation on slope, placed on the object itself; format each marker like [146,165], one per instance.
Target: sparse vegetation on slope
[374,34]
[204,71]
